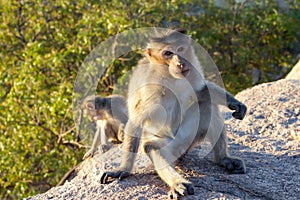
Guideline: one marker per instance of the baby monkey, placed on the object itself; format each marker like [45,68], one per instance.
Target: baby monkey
[110,115]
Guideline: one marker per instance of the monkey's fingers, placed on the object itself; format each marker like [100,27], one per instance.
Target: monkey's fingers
[240,110]
[123,175]
[173,194]
[104,148]
[105,178]
[108,176]
[181,189]
[87,155]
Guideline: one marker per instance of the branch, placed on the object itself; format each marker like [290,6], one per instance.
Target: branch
[20,24]
[7,91]
[38,124]
[60,140]
[70,174]
[72,144]
[67,132]
[77,135]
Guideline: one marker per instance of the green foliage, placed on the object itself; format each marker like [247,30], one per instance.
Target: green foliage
[43,43]
[250,44]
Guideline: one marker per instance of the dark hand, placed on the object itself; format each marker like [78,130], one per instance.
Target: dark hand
[116,174]
[240,110]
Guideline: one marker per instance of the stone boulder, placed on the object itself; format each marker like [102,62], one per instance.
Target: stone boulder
[295,72]
[268,139]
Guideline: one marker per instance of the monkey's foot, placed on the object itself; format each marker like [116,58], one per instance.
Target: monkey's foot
[108,176]
[181,189]
[233,165]
[88,154]
[104,148]
[240,110]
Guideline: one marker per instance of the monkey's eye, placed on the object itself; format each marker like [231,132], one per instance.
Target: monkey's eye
[167,54]
[180,49]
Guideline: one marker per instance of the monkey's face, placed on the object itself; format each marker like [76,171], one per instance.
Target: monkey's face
[171,59]
[177,65]
[97,109]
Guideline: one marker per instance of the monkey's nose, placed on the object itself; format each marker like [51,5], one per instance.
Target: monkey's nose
[180,65]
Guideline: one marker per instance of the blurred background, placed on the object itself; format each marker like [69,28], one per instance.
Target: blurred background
[43,43]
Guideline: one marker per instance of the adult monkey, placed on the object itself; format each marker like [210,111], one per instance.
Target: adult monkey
[165,92]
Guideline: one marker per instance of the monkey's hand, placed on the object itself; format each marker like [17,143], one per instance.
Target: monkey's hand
[107,177]
[104,148]
[88,154]
[240,109]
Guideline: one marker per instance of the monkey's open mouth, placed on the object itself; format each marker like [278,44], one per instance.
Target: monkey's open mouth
[97,117]
[185,72]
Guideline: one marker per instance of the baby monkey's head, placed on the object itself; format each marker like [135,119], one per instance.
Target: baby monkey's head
[96,107]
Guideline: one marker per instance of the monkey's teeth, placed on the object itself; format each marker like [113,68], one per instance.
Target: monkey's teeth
[97,117]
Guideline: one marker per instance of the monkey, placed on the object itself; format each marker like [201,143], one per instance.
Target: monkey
[110,115]
[210,90]
[170,112]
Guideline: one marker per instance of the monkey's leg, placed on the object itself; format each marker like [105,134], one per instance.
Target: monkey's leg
[220,149]
[159,157]
[164,151]
[130,148]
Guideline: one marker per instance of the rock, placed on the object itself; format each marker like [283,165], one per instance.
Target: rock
[295,72]
[267,139]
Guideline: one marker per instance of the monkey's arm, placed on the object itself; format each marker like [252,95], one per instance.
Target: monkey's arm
[97,139]
[219,96]
[130,147]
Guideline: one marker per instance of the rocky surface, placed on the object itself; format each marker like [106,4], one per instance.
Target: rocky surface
[295,72]
[268,139]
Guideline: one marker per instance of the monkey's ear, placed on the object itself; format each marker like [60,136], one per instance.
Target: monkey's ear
[181,30]
[149,55]
[147,52]
[90,106]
